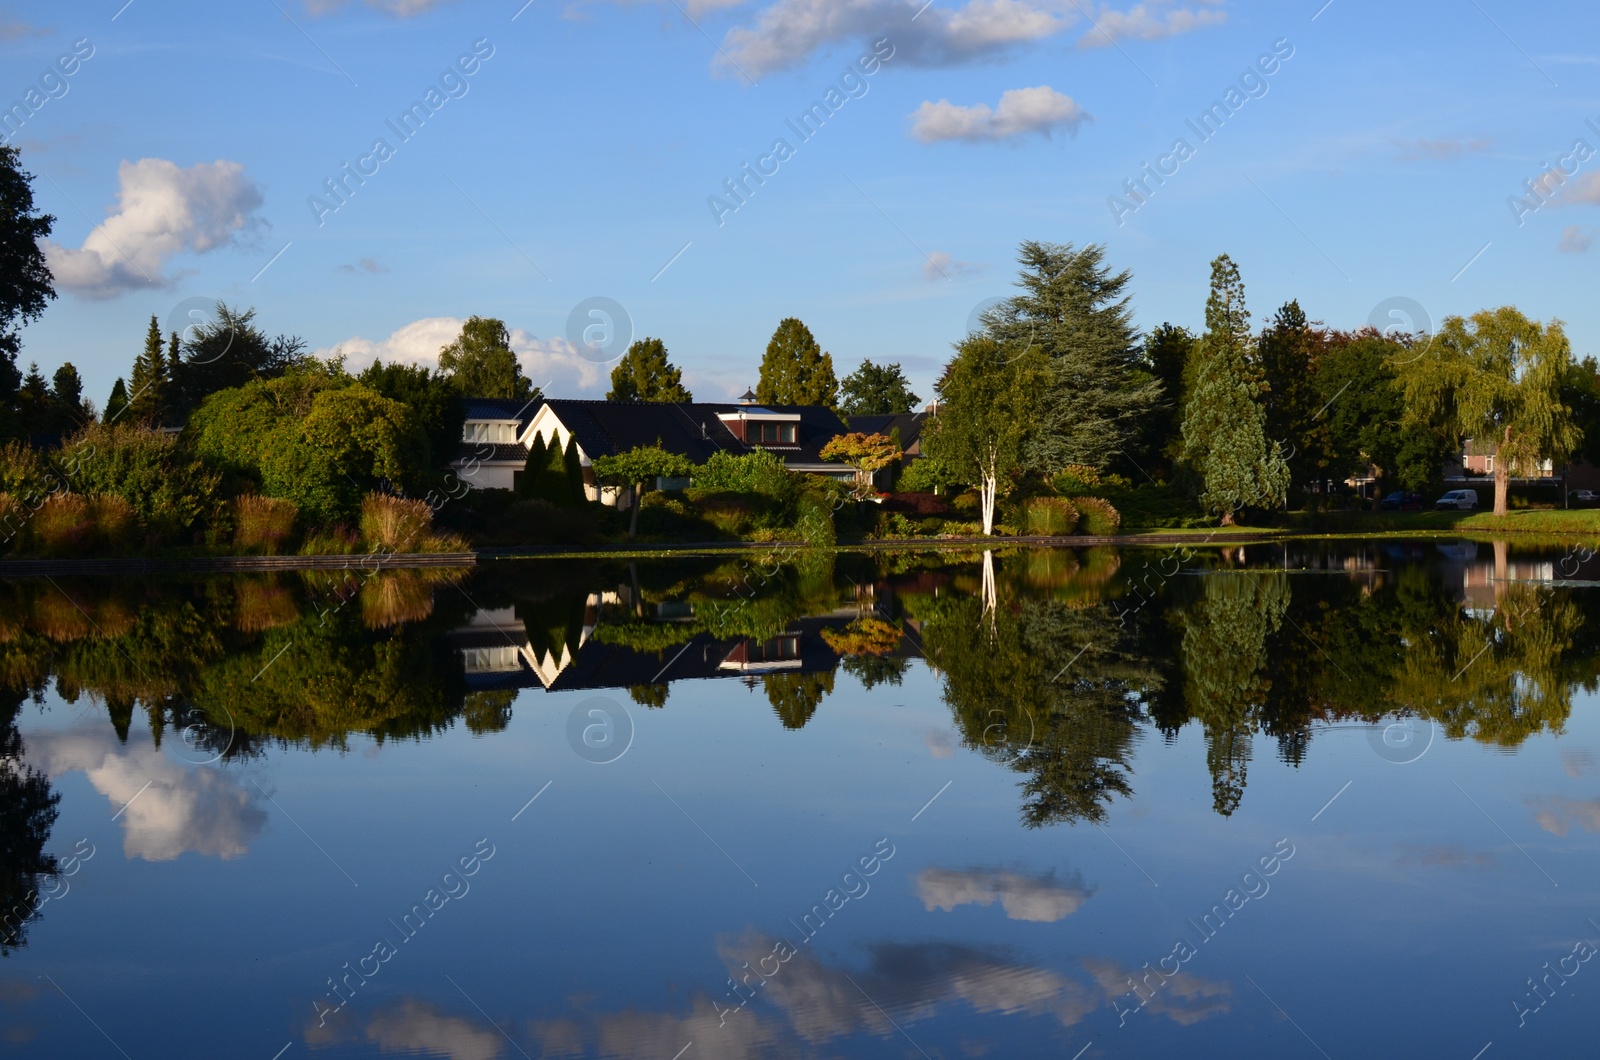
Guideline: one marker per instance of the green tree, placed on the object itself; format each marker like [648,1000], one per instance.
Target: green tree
[71,409]
[635,469]
[1497,379]
[149,377]
[1092,404]
[164,483]
[314,436]
[481,363]
[35,415]
[117,403]
[1365,412]
[645,374]
[28,810]
[1167,350]
[877,390]
[1224,423]
[1288,354]
[795,370]
[434,402]
[26,284]
[988,397]
[223,353]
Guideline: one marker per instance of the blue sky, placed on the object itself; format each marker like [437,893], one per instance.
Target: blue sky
[578,159]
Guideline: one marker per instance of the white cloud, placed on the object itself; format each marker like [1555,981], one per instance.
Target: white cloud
[414,1027]
[1439,150]
[788,32]
[941,265]
[1577,763]
[1021,111]
[1033,898]
[364,267]
[1584,189]
[1141,23]
[162,211]
[1575,239]
[170,808]
[397,8]
[553,364]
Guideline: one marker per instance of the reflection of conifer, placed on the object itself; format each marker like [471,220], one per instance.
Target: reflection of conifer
[795,697]
[652,696]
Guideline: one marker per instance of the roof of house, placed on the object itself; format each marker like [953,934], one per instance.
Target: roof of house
[493,452]
[909,424]
[501,409]
[691,429]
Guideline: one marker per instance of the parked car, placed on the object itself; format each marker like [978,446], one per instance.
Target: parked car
[1460,500]
[1401,501]
[1583,498]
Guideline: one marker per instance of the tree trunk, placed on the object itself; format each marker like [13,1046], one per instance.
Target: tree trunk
[1227,517]
[1502,486]
[986,500]
[633,519]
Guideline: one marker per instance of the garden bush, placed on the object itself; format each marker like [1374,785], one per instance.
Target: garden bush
[1049,516]
[70,524]
[1100,519]
[396,524]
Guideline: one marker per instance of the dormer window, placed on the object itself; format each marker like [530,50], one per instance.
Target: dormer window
[489,431]
[767,433]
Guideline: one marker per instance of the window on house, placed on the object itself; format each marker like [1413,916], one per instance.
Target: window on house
[1488,463]
[489,432]
[773,433]
[778,649]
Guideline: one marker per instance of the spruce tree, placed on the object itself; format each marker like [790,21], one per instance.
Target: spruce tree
[1224,424]
[68,409]
[795,370]
[148,379]
[1075,309]
[877,390]
[645,374]
[117,403]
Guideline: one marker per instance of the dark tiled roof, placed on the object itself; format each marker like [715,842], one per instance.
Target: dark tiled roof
[909,423]
[501,409]
[492,452]
[605,428]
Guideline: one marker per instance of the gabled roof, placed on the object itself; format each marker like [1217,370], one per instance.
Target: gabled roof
[910,425]
[493,452]
[502,409]
[691,429]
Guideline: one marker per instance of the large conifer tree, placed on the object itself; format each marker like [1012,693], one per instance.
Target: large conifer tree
[1075,310]
[149,379]
[1224,424]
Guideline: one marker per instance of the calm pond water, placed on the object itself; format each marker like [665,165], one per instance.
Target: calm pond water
[1315,800]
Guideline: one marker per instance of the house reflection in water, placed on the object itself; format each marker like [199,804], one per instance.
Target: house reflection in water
[498,653]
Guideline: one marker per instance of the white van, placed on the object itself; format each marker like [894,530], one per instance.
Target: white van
[1461,500]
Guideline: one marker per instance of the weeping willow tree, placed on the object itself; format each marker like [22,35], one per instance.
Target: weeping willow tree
[1226,682]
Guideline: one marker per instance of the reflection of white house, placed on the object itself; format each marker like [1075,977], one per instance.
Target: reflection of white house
[764,657]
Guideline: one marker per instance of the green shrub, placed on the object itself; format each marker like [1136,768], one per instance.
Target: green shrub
[759,472]
[966,504]
[814,524]
[116,524]
[22,472]
[336,540]
[1100,519]
[932,526]
[14,518]
[262,525]
[1049,516]
[170,490]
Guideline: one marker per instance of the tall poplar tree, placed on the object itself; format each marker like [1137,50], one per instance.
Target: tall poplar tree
[645,374]
[1224,424]
[795,370]
[1075,310]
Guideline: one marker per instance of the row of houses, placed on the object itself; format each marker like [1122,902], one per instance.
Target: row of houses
[498,434]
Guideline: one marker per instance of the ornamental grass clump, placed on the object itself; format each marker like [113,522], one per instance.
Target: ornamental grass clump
[1100,519]
[1049,516]
[263,525]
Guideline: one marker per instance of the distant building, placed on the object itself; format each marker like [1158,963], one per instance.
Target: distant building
[905,429]
[1479,457]
[498,435]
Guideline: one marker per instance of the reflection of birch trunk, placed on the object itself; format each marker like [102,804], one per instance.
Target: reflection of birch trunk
[990,597]
[1501,572]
